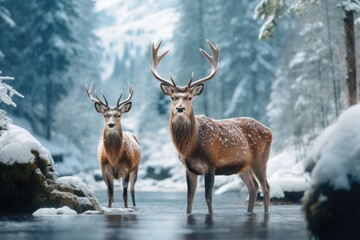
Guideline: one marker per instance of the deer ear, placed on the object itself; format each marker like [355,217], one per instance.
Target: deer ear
[99,108]
[126,107]
[197,90]
[166,89]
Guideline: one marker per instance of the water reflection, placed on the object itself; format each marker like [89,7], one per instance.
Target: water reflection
[191,220]
[119,221]
[161,216]
[254,221]
[218,226]
[118,226]
[256,225]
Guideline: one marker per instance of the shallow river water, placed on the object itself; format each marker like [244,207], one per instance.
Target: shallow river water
[162,216]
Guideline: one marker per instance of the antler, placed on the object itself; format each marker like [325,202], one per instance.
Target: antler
[214,62]
[131,92]
[155,63]
[95,99]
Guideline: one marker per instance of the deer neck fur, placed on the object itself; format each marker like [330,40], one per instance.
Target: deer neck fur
[113,144]
[184,132]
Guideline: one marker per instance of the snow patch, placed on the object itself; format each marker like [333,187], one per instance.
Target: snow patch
[76,183]
[297,59]
[235,185]
[110,211]
[289,180]
[45,212]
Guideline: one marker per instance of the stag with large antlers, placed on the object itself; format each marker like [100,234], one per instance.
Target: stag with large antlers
[214,147]
[118,151]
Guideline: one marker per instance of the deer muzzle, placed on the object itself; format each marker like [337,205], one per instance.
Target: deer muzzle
[180,109]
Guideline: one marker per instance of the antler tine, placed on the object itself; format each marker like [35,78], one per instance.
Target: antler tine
[106,102]
[103,103]
[95,100]
[131,93]
[156,59]
[172,80]
[118,101]
[191,79]
[214,62]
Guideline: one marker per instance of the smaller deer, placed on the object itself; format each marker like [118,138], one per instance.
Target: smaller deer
[214,147]
[118,151]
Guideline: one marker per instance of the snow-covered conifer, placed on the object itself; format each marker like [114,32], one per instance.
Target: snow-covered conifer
[6,93]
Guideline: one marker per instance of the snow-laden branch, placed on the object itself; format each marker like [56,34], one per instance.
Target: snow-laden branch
[350,5]
[271,11]
[7,92]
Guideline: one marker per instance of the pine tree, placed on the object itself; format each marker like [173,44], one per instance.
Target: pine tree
[272,11]
[42,52]
[189,37]
[302,98]
[250,63]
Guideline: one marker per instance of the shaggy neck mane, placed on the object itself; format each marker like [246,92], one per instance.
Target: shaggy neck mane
[113,142]
[184,133]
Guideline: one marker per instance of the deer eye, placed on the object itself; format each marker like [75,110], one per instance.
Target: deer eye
[172,98]
[189,98]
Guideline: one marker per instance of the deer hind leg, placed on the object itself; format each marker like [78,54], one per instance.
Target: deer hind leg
[260,174]
[209,185]
[108,179]
[125,183]
[252,186]
[191,180]
[133,177]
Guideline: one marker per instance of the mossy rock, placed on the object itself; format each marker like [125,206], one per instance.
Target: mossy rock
[26,187]
[333,214]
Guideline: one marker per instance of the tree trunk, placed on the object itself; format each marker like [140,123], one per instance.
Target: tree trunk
[48,119]
[336,97]
[202,39]
[350,57]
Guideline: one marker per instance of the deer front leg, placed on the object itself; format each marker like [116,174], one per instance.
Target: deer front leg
[125,183]
[133,177]
[108,179]
[191,180]
[209,184]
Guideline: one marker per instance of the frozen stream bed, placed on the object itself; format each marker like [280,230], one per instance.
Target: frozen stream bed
[162,216]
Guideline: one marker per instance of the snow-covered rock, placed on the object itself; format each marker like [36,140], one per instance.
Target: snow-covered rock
[331,205]
[27,180]
[17,144]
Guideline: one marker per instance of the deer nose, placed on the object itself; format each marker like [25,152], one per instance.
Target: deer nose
[111,125]
[180,109]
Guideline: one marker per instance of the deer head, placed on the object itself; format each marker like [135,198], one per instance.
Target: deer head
[182,96]
[112,115]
